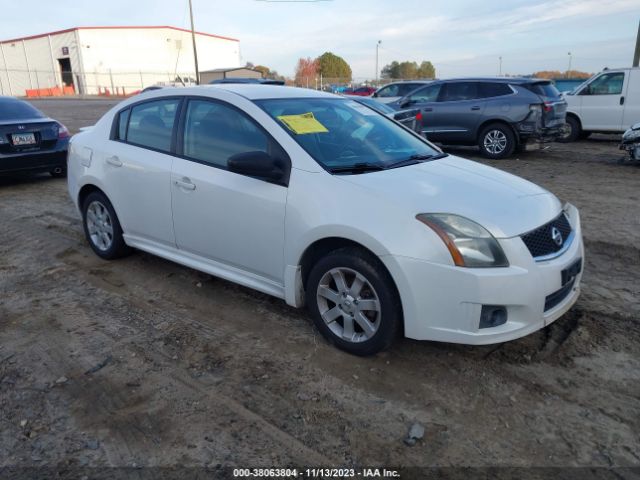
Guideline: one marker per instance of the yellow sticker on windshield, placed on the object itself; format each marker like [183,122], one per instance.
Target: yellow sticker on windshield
[303,123]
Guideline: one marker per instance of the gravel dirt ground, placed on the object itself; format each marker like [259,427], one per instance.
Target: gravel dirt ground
[142,362]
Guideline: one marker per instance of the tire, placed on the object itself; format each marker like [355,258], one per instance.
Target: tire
[574,132]
[497,140]
[337,305]
[102,228]
[58,173]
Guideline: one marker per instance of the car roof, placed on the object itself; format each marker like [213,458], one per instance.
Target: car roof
[514,80]
[258,91]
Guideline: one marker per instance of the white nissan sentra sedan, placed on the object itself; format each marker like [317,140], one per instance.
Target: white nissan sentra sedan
[319,200]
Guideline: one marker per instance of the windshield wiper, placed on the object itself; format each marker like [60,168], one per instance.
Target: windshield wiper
[358,168]
[417,158]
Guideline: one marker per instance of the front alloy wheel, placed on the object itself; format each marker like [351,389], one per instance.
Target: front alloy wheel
[353,301]
[349,305]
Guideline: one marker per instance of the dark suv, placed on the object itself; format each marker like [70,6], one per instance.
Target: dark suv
[497,114]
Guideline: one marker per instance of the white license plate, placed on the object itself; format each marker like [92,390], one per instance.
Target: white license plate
[23,139]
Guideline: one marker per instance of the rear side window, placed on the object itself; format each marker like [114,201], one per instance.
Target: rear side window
[544,89]
[457,91]
[494,89]
[151,124]
[213,132]
[123,119]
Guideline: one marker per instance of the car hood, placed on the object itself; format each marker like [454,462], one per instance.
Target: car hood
[504,204]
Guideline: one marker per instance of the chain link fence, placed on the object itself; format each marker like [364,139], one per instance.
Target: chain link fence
[48,83]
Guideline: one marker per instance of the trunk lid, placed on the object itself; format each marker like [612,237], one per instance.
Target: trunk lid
[23,136]
[554,110]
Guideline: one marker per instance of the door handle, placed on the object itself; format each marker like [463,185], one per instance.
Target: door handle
[622,100]
[475,107]
[185,183]
[115,161]
[428,109]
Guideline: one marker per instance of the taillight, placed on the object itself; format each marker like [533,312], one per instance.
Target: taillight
[548,106]
[419,116]
[63,132]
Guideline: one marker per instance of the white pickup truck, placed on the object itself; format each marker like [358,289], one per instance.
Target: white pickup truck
[609,102]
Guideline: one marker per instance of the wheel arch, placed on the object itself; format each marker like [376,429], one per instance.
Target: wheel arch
[501,121]
[86,190]
[322,247]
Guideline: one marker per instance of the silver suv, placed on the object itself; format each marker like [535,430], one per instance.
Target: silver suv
[497,114]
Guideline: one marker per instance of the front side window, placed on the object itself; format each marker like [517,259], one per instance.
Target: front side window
[151,124]
[407,88]
[426,94]
[213,132]
[389,91]
[457,91]
[606,84]
[342,134]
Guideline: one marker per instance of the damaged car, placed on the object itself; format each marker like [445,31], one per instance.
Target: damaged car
[500,115]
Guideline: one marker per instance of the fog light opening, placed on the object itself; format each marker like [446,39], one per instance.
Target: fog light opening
[492,316]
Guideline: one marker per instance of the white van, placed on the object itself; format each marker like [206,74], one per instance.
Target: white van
[608,102]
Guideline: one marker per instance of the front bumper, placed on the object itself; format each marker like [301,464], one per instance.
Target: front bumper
[38,161]
[443,302]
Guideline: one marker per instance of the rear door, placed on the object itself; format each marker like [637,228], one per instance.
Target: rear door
[457,113]
[631,113]
[137,169]
[602,102]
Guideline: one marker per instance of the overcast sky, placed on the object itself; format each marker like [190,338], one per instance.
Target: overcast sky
[461,37]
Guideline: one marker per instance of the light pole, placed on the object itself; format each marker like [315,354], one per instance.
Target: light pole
[377,71]
[193,39]
[569,69]
[500,66]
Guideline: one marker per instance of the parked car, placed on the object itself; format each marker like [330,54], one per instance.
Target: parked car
[30,141]
[608,103]
[497,114]
[317,200]
[631,142]
[395,91]
[411,118]
[361,91]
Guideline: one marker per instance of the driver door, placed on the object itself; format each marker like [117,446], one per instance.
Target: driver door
[602,102]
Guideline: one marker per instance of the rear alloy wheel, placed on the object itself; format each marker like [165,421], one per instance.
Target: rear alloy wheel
[102,228]
[353,302]
[573,130]
[497,141]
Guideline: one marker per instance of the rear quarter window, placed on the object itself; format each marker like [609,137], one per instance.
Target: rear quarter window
[544,89]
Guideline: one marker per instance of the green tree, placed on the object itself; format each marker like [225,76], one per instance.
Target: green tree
[408,70]
[265,71]
[334,67]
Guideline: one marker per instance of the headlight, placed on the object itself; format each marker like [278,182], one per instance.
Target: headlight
[470,244]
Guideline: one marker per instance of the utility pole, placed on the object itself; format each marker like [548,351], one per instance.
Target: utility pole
[377,71]
[569,69]
[193,39]
[500,66]
[636,55]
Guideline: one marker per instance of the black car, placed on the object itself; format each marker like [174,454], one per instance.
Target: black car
[30,141]
[499,115]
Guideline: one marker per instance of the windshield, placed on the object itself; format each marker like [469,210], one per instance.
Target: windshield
[342,134]
[11,109]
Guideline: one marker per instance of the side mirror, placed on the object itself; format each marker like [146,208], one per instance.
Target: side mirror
[405,102]
[256,164]
[374,95]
